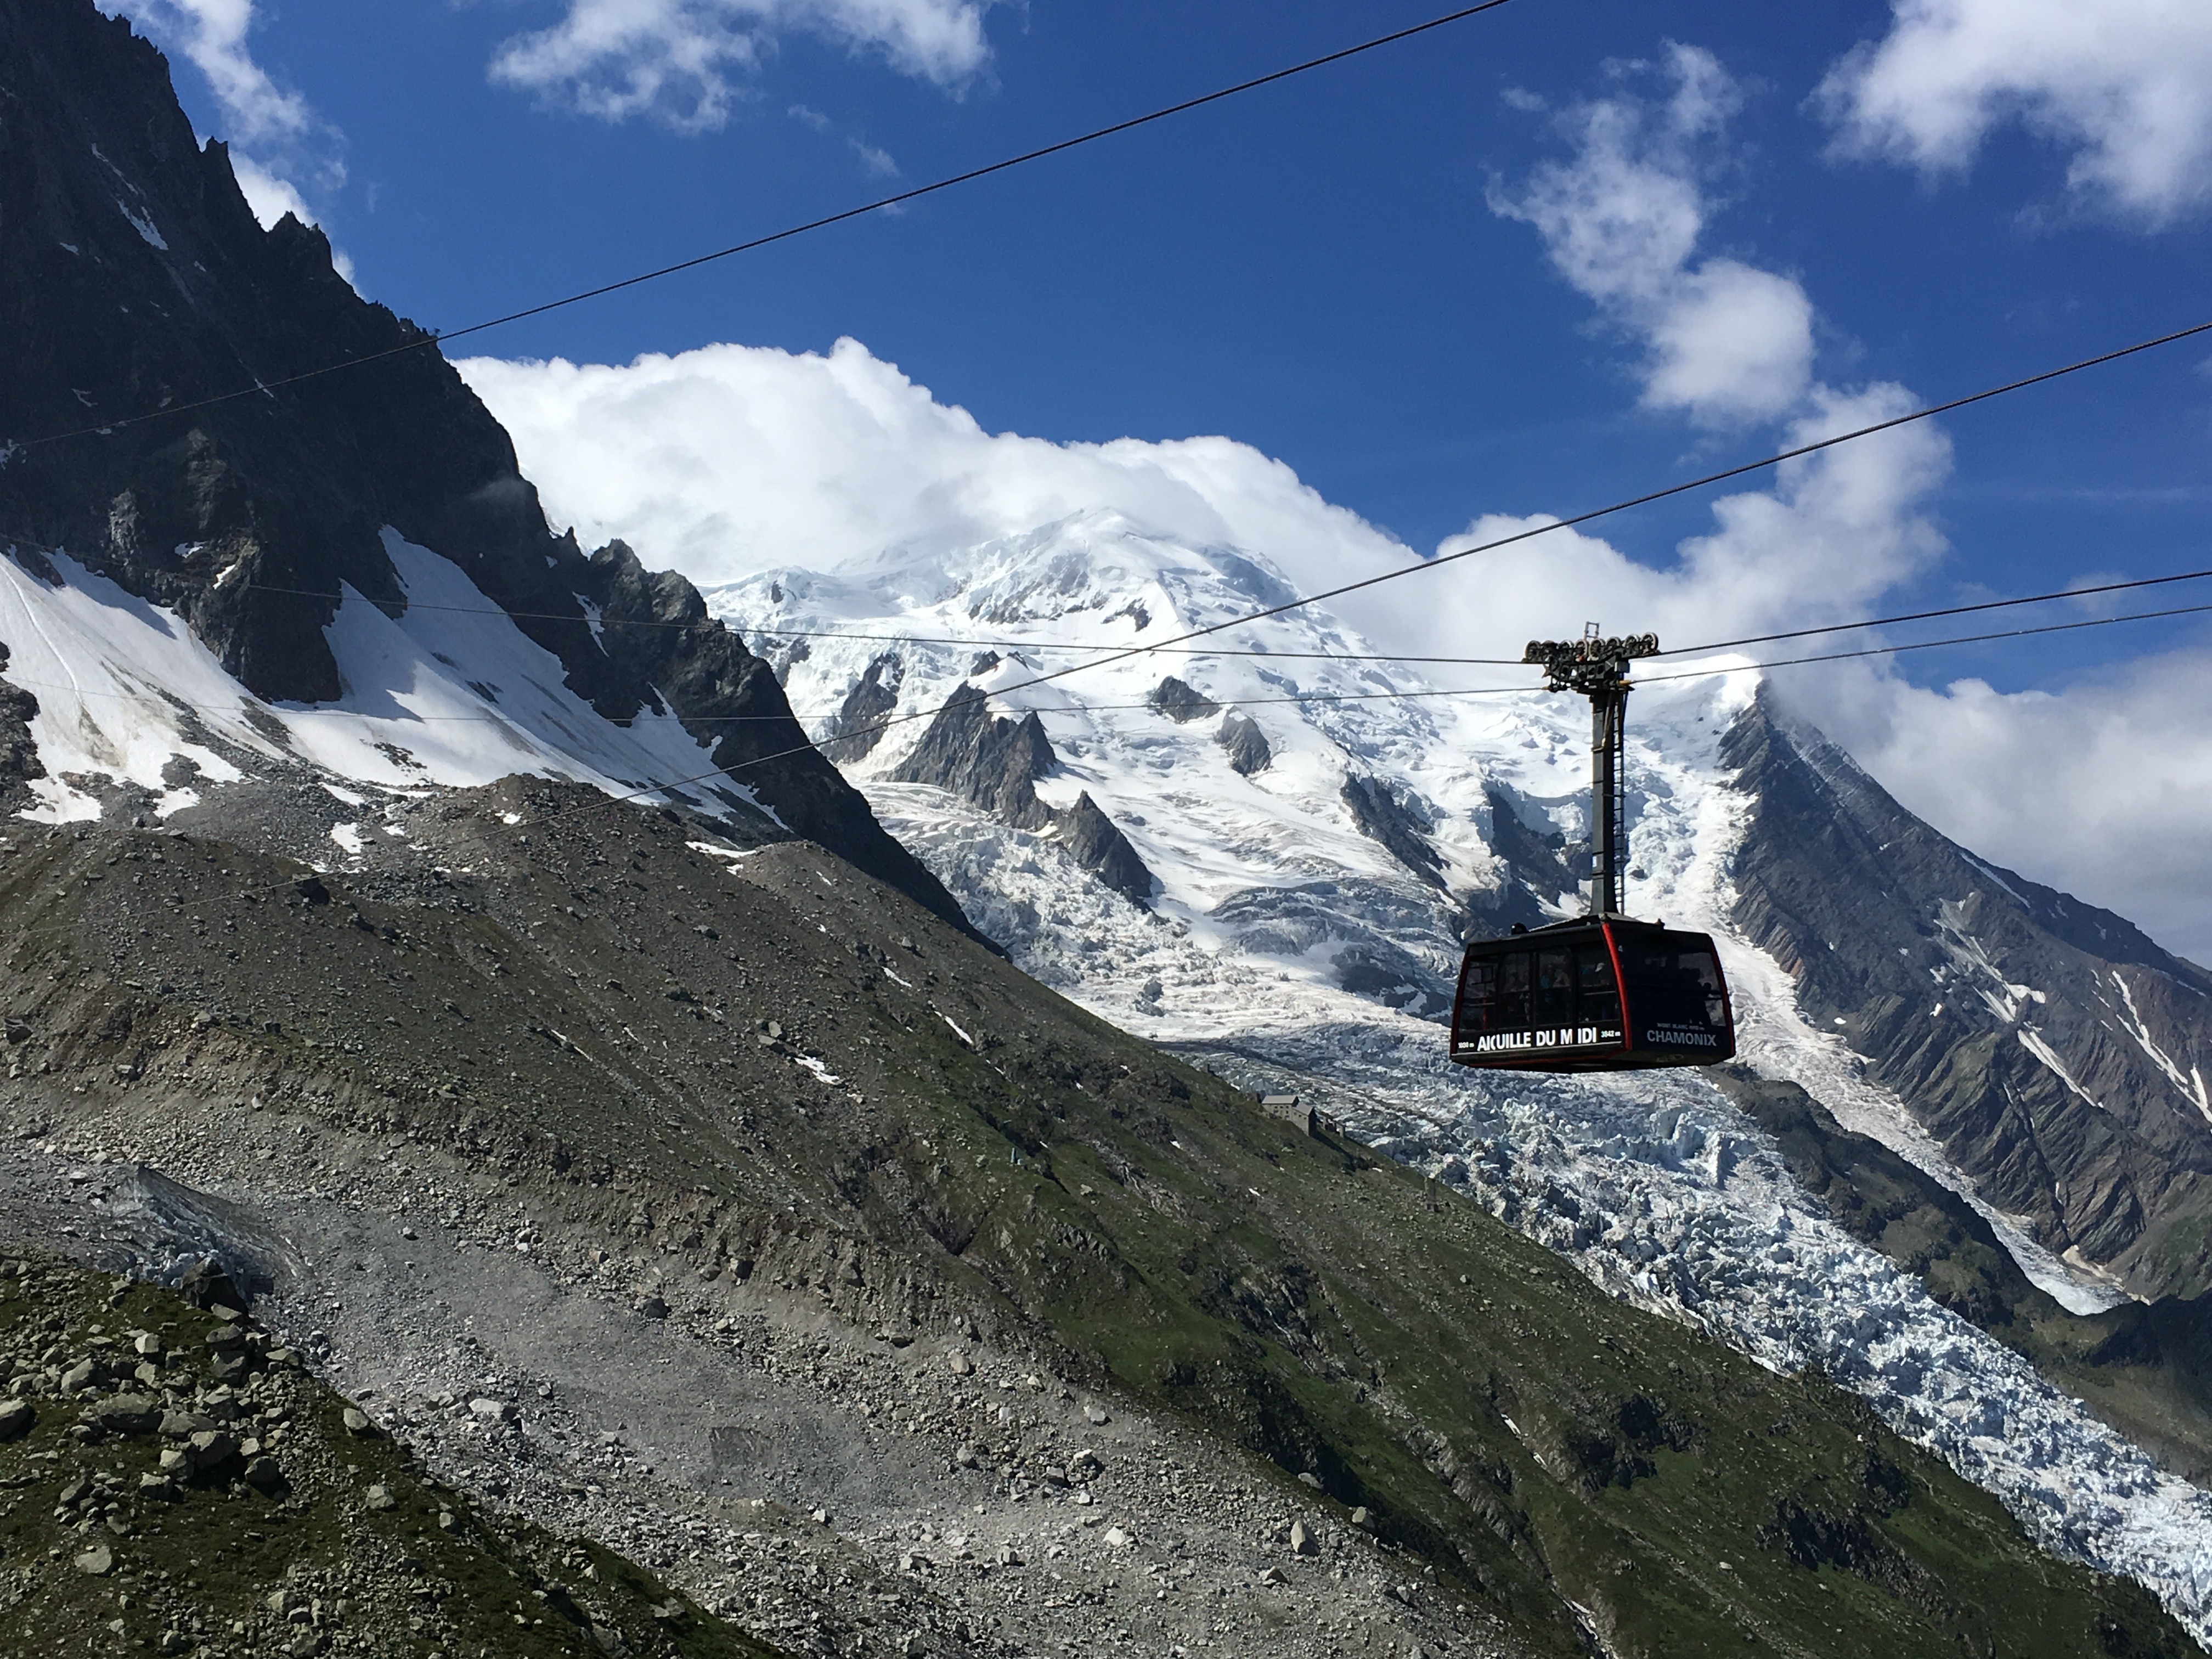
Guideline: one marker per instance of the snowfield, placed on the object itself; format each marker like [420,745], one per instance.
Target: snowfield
[1287,949]
[452,692]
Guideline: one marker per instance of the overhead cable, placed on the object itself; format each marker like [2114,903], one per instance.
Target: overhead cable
[786,234]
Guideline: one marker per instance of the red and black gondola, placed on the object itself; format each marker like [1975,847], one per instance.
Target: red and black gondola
[1593,994]
[1604,992]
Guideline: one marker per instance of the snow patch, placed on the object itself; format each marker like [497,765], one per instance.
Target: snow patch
[142,225]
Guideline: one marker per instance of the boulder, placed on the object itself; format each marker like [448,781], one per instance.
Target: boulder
[125,1414]
[210,1449]
[16,1419]
[266,1476]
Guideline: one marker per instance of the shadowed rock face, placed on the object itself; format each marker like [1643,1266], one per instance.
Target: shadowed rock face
[19,755]
[2052,1048]
[1247,745]
[1099,845]
[859,725]
[1181,703]
[992,762]
[133,278]
[1383,817]
[996,763]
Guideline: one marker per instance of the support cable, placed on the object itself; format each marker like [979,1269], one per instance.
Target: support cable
[784,235]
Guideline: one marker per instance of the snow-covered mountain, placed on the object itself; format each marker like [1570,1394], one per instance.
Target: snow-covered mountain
[1287,832]
[1313,834]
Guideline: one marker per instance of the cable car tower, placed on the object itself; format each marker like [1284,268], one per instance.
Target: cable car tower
[1598,668]
[1602,992]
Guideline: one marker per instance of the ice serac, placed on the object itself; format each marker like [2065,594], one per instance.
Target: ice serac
[2051,1049]
[137,280]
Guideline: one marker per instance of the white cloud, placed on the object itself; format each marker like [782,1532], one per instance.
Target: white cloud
[874,159]
[686,61]
[1621,219]
[2125,85]
[733,459]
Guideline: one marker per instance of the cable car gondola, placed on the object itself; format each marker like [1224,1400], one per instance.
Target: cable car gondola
[1604,992]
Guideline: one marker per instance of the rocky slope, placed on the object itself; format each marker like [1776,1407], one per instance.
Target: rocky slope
[1001,1328]
[2049,1047]
[135,278]
[177,1483]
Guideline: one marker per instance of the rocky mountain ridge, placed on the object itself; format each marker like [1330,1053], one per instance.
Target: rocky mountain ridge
[137,278]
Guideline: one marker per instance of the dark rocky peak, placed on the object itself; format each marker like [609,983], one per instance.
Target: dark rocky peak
[995,763]
[858,727]
[1248,751]
[985,758]
[1099,845]
[1181,703]
[134,278]
[2054,1051]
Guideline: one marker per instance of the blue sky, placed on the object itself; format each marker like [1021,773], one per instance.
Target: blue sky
[1312,269]
[1369,272]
